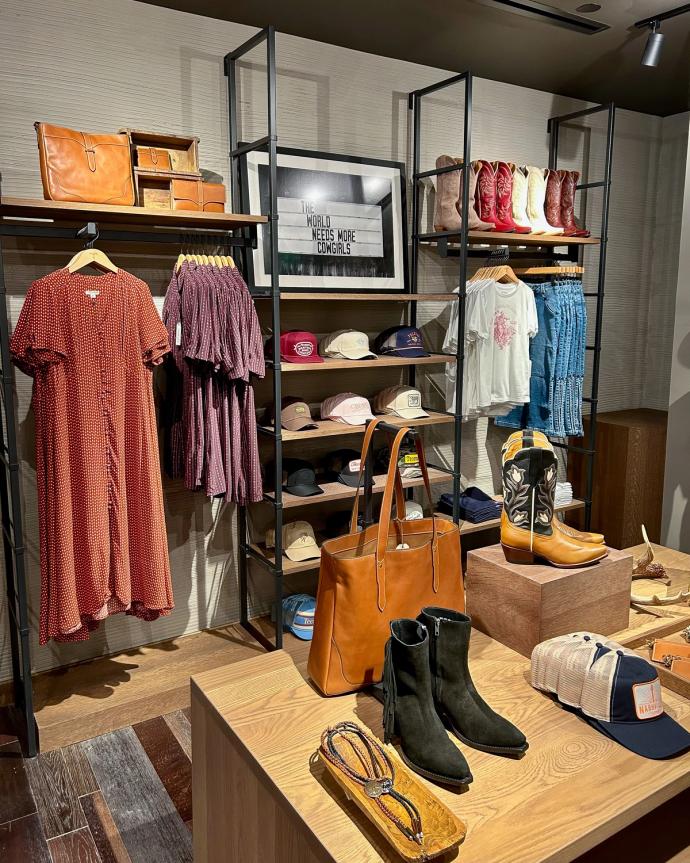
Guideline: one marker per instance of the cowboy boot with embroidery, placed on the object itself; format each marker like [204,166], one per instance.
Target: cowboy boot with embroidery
[527,531]
[485,197]
[446,213]
[519,201]
[504,197]
[536,198]
[552,201]
[475,223]
[520,439]
[568,185]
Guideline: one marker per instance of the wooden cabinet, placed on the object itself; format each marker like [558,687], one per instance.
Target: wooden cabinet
[628,474]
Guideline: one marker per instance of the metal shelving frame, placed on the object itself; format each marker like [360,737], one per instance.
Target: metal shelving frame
[452,244]
[11,498]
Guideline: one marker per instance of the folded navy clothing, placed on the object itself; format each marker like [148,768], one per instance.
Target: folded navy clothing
[474,505]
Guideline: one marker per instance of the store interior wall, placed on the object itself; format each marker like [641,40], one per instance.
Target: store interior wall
[99,65]
[675,525]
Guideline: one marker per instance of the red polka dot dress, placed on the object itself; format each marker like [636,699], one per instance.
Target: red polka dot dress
[90,344]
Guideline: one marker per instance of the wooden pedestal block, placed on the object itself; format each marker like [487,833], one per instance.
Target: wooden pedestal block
[522,605]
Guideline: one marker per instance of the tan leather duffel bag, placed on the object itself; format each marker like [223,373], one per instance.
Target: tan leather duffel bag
[368,578]
[79,166]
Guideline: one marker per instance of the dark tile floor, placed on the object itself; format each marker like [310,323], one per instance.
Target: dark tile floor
[124,797]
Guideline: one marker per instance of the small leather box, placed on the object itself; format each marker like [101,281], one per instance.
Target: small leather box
[681,667]
[213,196]
[669,648]
[187,195]
[153,159]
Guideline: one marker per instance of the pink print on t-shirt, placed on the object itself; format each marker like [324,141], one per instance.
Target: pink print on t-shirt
[504,329]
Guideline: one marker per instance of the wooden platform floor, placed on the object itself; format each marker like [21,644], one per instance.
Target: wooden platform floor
[124,796]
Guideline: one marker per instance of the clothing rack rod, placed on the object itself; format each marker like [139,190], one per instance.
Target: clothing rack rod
[176,238]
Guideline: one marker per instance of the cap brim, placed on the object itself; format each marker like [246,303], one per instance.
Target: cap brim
[406,352]
[356,420]
[303,552]
[410,413]
[303,490]
[658,738]
[304,633]
[299,425]
[359,355]
[351,479]
[314,358]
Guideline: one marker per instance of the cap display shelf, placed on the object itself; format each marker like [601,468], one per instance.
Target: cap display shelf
[331,428]
[68,211]
[330,364]
[339,491]
[371,297]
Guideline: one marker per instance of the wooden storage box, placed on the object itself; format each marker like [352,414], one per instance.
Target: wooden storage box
[153,192]
[183,149]
[522,605]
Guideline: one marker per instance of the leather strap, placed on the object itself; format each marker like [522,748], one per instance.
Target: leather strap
[385,518]
[399,497]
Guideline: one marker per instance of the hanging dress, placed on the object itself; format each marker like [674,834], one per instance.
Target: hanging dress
[90,344]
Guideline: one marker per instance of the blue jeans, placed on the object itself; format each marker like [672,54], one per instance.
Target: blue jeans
[557,354]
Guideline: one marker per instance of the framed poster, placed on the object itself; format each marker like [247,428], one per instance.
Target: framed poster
[341,221]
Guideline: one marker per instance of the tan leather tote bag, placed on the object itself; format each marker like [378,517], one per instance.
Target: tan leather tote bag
[368,578]
[79,166]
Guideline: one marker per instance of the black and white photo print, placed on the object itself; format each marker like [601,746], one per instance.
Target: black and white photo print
[341,221]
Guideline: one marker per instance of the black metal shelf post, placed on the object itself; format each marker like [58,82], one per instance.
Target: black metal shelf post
[554,125]
[11,498]
[415,106]
[268,143]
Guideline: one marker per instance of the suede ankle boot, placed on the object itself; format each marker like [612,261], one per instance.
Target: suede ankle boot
[457,701]
[408,708]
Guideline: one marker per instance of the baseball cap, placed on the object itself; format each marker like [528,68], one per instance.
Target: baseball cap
[348,345]
[297,346]
[295,414]
[621,697]
[413,510]
[298,615]
[299,478]
[344,466]
[408,461]
[338,523]
[299,542]
[401,401]
[401,342]
[347,408]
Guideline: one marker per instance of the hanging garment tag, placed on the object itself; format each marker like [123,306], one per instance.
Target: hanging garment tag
[178,334]
[92,294]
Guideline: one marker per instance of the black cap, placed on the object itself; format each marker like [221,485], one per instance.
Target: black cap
[338,523]
[343,465]
[299,478]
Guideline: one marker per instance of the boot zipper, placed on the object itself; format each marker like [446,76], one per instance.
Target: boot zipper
[531,523]
[437,676]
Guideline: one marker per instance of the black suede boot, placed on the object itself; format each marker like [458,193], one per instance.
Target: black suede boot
[408,708]
[457,701]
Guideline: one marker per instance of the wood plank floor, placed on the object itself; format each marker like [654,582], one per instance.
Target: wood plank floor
[125,796]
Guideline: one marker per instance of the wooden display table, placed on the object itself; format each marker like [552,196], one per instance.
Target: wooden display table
[260,797]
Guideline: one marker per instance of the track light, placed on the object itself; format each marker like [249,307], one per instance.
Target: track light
[652,51]
[655,40]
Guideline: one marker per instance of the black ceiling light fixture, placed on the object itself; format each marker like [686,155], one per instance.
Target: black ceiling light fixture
[655,40]
[551,14]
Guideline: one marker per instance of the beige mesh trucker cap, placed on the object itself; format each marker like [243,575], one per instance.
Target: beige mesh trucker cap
[400,401]
[299,542]
[347,345]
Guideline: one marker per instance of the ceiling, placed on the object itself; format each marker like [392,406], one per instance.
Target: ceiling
[494,42]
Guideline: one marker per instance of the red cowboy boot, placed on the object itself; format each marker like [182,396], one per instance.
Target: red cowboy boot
[552,202]
[485,197]
[504,197]
[568,184]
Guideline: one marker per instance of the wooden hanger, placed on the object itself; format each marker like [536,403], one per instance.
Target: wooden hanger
[90,256]
[550,271]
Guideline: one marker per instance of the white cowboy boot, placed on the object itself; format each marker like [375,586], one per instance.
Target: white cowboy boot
[536,196]
[520,197]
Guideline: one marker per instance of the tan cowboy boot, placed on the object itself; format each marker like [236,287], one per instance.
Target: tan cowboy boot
[527,531]
[541,440]
[446,214]
[475,223]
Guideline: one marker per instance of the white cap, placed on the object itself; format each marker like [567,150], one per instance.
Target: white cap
[413,510]
[346,408]
[347,345]
[299,542]
[401,401]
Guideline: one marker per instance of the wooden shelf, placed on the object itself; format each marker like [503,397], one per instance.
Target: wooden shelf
[492,238]
[371,297]
[331,364]
[339,491]
[289,566]
[470,527]
[330,428]
[67,211]
[150,174]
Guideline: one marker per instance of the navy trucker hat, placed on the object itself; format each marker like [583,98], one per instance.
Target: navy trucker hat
[401,342]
